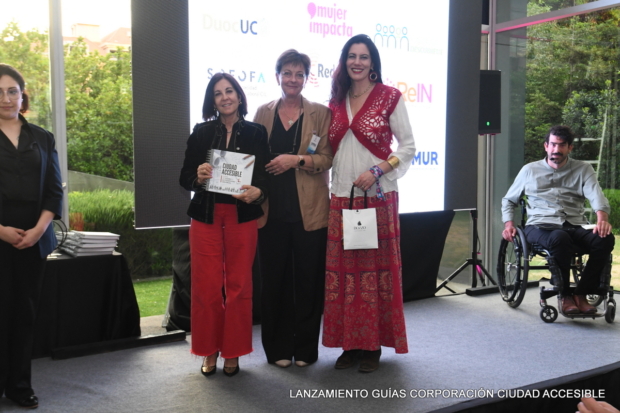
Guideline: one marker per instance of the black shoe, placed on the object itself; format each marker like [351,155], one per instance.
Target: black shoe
[29,402]
[347,359]
[231,371]
[370,361]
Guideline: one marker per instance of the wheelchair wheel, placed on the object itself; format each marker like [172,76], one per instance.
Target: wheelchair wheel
[548,314]
[610,313]
[595,299]
[512,269]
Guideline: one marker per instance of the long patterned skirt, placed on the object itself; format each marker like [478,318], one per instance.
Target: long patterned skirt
[363,288]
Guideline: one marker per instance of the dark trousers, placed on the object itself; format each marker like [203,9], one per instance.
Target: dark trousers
[21,276]
[293,279]
[561,244]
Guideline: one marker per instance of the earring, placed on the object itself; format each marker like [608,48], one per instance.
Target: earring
[373,76]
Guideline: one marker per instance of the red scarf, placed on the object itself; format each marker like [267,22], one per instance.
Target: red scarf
[371,125]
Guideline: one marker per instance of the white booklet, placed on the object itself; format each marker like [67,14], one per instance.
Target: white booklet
[231,170]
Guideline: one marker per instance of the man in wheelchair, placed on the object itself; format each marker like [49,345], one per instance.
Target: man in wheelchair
[556,189]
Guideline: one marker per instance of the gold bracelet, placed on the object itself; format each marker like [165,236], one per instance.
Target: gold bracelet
[393,161]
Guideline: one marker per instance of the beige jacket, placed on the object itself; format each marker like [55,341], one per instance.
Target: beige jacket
[312,186]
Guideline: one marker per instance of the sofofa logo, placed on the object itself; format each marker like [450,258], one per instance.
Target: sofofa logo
[241,75]
[329,20]
[244,26]
[391,37]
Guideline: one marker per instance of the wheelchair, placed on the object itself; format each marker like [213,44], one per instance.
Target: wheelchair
[515,261]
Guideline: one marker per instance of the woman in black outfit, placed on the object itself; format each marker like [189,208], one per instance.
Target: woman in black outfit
[30,198]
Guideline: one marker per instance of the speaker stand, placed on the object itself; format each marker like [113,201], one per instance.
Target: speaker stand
[477,269]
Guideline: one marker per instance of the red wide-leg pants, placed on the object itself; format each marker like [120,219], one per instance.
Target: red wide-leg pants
[222,255]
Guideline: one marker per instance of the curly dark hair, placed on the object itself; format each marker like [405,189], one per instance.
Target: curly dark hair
[563,132]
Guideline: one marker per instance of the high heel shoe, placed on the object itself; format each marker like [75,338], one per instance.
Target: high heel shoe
[207,370]
[231,371]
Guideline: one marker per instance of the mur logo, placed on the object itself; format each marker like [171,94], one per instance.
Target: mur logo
[425,158]
[391,37]
[244,26]
[241,75]
[329,20]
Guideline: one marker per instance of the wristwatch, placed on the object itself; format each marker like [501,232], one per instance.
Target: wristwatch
[301,162]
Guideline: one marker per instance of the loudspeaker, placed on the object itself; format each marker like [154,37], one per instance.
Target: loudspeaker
[490,109]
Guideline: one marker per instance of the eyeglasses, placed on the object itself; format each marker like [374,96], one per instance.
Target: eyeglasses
[13,94]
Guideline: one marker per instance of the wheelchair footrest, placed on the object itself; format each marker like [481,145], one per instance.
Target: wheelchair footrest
[548,292]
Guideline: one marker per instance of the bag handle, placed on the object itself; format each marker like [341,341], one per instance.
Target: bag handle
[351,198]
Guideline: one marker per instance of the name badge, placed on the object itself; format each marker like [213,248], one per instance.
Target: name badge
[313,143]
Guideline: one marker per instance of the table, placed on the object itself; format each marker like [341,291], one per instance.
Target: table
[85,300]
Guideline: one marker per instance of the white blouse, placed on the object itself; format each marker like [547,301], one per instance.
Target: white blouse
[353,159]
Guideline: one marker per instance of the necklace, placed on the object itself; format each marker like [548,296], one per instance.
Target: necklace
[356,96]
[290,119]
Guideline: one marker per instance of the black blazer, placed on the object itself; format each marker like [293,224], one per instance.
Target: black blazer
[250,138]
[50,189]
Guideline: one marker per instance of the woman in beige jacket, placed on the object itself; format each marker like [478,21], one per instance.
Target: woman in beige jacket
[292,240]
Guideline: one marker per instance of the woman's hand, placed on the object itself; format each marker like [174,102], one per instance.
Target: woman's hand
[250,194]
[204,172]
[31,237]
[11,235]
[282,163]
[365,181]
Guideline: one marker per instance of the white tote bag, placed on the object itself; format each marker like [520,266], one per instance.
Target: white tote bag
[360,226]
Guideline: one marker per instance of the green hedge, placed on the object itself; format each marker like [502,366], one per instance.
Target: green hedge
[148,252]
[613,195]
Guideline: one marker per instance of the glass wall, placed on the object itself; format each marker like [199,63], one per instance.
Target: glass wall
[97,40]
[515,9]
[96,36]
[24,44]
[563,71]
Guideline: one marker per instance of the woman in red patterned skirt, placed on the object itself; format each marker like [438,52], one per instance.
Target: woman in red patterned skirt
[363,288]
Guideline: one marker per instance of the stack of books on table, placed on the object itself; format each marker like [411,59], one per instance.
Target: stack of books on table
[84,243]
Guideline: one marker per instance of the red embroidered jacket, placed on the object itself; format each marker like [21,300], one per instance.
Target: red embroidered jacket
[371,125]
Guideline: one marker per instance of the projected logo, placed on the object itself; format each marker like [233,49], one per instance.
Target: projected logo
[249,76]
[329,21]
[391,37]
[425,158]
[325,72]
[235,26]
[417,93]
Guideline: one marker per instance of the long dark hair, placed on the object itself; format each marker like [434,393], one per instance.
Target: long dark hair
[341,82]
[7,70]
[208,107]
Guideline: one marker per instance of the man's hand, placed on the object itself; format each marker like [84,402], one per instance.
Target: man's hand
[509,231]
[589,405]
[603,227]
